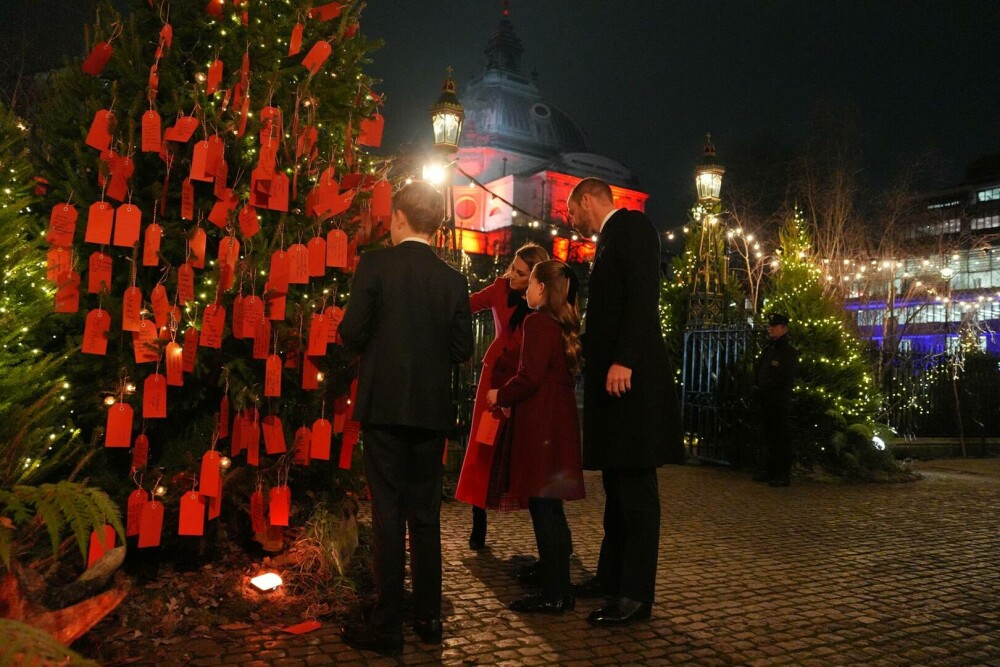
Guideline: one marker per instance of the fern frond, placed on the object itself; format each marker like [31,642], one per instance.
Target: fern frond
[22,644]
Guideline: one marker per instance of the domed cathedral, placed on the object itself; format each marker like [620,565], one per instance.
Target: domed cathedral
[525,152]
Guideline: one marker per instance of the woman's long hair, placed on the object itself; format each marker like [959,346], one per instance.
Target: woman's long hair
[531,254]
[559,300]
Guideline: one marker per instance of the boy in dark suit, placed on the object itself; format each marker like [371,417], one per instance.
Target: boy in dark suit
[408,316]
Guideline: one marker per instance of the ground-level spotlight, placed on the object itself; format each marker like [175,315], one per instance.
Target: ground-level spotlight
[267,581]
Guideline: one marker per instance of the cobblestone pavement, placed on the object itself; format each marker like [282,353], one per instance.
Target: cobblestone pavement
[815,574]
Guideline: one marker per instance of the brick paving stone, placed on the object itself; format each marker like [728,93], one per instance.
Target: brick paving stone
[816,574]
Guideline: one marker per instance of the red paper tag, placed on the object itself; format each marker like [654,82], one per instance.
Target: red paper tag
[257,512]
[303,627]
[303,446]
[229,251]
[279,504]
[68,292]
[192,520]
[237,327]
[191,337]
[215,504]
[57,262]
[295,43]
[221,171]
[219,215]
[334,316]
[236,443]
[97,549]
[317,55]
[131,309]
[348,440]
[199,160]
[326,12]
[214,77]
[175,364]
[272,376]
[371,131]
[154,397]
[144,343]
[382,200]
[136,501]
[336,249]
[183,129]
[277,199]
[151,132]
[212,326]
[261,338]
[210,480]
[310,374]
[185,284]
[100,219]
[274,304]
[253,314]
[298,264]
[128,219]
[318,327]
[99,273]
[62,225]
[151,524]
[488,427]
[274,435]
[140,451]
[322,432]
[197,244]
[99,135]
[187,200]
[278,276]
[161,305]
[248,221]
[95,332]
[97,59]
[251,439]
[151,245]
[118,432]
[316,252]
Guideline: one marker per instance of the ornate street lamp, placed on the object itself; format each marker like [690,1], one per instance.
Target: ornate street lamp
[706,302]
[708,176]
[447,116]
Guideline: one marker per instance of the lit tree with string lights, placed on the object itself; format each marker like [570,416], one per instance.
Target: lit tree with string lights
[210,194]
[836,400]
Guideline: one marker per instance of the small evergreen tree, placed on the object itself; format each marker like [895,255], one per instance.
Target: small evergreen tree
[835,398]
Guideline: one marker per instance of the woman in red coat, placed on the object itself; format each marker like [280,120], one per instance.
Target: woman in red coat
[505,297]
[545,459]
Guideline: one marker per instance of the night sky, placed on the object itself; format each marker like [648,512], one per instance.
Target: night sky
[646,79]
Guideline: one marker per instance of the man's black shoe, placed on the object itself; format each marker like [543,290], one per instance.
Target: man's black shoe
[429,631]
[591,588]
[621,611]
[367,638]
[781,481]
[537,604]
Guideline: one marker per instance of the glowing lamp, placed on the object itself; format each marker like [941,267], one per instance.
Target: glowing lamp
[447,116]
[434,173]
[267,581]
[708,176]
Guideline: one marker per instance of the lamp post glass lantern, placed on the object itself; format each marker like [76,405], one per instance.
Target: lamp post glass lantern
[708,176]
[447,116]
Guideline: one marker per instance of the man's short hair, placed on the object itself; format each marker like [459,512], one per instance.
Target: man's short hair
[594,187]
[423,205]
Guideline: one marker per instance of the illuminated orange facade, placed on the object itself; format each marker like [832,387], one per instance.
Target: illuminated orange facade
[527,152]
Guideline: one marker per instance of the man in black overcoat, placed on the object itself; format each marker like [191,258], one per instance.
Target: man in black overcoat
[774,380]
[408,316]
[631,414]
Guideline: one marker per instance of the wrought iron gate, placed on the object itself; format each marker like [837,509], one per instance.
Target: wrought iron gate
[717,376]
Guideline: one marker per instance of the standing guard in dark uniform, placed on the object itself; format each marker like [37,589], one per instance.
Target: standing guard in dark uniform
[773,384]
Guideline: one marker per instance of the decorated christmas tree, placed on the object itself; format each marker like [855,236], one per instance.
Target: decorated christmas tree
[835,399]
[210,191]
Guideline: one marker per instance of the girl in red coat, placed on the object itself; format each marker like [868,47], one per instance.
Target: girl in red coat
[545,463]
[505,297]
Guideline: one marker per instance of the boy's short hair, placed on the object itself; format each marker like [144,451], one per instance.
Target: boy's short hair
[423,205]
